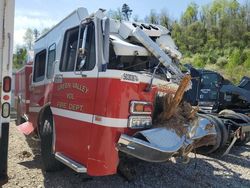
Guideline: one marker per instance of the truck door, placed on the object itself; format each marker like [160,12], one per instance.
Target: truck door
[37,87]
[73,98]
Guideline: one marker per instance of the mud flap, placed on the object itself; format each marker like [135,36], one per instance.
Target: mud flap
[26,128]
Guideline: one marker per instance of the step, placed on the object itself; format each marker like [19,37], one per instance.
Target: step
[70,163]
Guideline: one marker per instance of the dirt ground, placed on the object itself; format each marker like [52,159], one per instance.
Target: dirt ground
[233,170]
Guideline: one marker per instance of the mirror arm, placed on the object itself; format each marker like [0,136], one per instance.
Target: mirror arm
[106,31]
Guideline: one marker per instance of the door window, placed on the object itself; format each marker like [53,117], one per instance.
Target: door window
[51,60]
[70,53]
[39,67]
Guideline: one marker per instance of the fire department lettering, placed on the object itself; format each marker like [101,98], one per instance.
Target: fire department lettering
[70,106]
[76,86]
[130,78]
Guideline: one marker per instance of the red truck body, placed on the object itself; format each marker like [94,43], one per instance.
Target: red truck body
[22,90]
[85,109]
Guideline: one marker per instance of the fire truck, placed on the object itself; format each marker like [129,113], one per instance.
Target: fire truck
[6,48]
[93,91]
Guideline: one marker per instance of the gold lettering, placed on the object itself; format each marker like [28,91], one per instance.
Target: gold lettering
[62,105]
[70,96]
[75,107]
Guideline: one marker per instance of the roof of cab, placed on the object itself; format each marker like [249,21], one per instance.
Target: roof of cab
[81,12]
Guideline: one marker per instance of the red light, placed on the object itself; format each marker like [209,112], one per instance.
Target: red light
[6,97]
[147,108]
[138,107]
[6,84]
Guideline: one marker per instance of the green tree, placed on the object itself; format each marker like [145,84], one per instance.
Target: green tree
[164,19]
[29,39]
[153,17]
[126,11]
[19,57]
[190,15]
[116,14]
[36,34]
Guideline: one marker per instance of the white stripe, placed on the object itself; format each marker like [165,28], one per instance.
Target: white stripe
[35,109]
[72,115]
[104,121]
[111,122]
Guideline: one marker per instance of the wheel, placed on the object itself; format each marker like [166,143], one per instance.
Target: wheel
[126,167]
[233,115]
[238,116]
[246,137]
[226,111]
[46,135]
[19,118]
[210,149]
[224,131]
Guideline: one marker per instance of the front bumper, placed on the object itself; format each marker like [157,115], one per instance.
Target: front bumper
[160,144]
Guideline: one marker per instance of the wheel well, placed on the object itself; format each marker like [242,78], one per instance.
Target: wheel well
[45,111]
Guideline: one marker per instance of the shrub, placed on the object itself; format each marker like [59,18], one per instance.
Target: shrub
[221,62]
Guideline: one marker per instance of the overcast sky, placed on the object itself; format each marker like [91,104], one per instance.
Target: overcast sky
[46,13]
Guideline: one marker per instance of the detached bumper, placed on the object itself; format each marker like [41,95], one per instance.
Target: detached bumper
[160,144]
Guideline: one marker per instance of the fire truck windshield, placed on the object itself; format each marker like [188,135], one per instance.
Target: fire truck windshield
[142,64]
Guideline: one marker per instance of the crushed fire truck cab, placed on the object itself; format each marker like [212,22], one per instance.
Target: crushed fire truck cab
[92,93]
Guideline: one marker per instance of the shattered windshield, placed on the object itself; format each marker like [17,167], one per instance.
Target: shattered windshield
[142,64]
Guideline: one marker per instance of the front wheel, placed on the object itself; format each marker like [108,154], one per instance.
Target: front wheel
[46,134]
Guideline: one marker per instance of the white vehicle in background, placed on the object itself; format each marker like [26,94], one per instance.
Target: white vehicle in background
[6,50]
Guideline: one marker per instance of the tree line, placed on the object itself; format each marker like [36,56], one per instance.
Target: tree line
[215,36]
[21,51]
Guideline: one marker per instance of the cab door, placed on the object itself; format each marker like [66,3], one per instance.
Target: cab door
[37,87]
[73,97]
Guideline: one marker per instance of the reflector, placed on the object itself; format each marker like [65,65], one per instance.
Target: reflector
[5,110]
[6,97]
[7,84]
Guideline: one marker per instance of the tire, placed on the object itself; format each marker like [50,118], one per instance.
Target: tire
[238,116]
[224,131]
[226,111]
[212,148]
[19,118]
[46,134]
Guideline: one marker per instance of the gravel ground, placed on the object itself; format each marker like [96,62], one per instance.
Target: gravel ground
[232,170]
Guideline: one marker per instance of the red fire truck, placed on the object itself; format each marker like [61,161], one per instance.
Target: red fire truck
[92,92]
[6,49]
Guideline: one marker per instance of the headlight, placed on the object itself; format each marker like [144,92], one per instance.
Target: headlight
[140,107]
[139,122]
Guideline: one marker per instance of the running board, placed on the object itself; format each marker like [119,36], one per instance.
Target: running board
[70,163]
